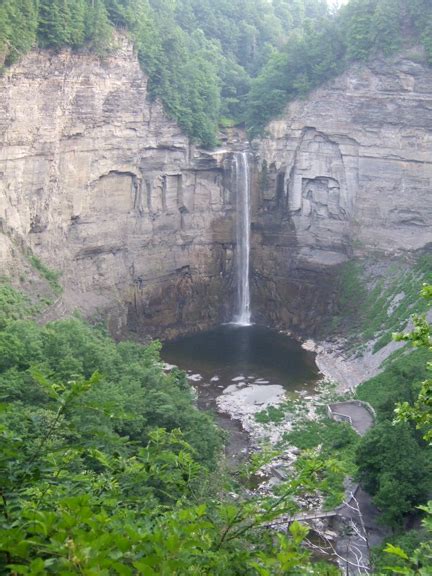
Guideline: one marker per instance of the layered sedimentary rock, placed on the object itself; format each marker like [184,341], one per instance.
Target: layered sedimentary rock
[346,172]
[98,182]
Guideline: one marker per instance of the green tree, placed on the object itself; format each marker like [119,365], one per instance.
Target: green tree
[419,561]
[420,411]
[356,23]
[394,470]
[70,507]
[18,25]
[99,30]
[221,61]
[312,56]
[385,32]
[54,23]
[78,10]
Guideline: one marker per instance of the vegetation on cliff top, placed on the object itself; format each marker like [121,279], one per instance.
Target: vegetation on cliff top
[362,29]
[200,55]
[222,62]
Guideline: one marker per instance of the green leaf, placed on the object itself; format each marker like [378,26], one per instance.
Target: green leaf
[396,551]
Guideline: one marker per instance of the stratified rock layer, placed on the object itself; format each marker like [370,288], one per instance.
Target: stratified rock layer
[346,172]
[98,182]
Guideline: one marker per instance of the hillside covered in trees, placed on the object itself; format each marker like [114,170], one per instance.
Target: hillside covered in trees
[200,55]
[220,63]
[359,31]
[108,467]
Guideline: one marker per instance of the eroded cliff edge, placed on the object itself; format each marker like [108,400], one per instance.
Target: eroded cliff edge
[345,173]
[97,181]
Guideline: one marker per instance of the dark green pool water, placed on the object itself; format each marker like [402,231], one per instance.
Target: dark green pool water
[231,351]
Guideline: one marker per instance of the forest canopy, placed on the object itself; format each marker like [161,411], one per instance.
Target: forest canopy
[217,63]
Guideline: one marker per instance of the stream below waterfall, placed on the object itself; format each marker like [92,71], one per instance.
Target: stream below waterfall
[255,379]
[239,370]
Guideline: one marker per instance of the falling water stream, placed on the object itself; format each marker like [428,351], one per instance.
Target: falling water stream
[242,185]
[240,357]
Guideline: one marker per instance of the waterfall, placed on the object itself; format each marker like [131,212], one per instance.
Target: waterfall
[242,184]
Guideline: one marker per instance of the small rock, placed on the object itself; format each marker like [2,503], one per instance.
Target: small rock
[194,377]
[167,367]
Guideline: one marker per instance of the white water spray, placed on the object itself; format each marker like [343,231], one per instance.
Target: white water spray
[242,182]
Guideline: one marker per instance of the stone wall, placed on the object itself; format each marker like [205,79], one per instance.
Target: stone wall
[346,172]
[98,182]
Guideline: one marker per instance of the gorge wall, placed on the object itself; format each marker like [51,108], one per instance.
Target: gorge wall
[102,186]
[347,172]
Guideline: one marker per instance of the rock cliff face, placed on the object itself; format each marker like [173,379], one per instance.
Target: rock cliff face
[99,183]
[346,172]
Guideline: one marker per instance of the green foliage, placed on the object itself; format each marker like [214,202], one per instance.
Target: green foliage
[395,470]
[421,410]
[417,562]
[133,394]
[98,31]
[13,305]
[399,382]
[353,295]
[200,55]
[374,306]
[212,61]
[408,542]
[76,508]
[394,462]
[328,433]
[18,25]
[337,441]
[311,56]
[360,30]
[97,478]
[271,414]
[50,275]
[74,23]
[62,23]
[357,19]
[385,28]
[408,561]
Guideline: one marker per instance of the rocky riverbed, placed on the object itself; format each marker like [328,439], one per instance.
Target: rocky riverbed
[261,384]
